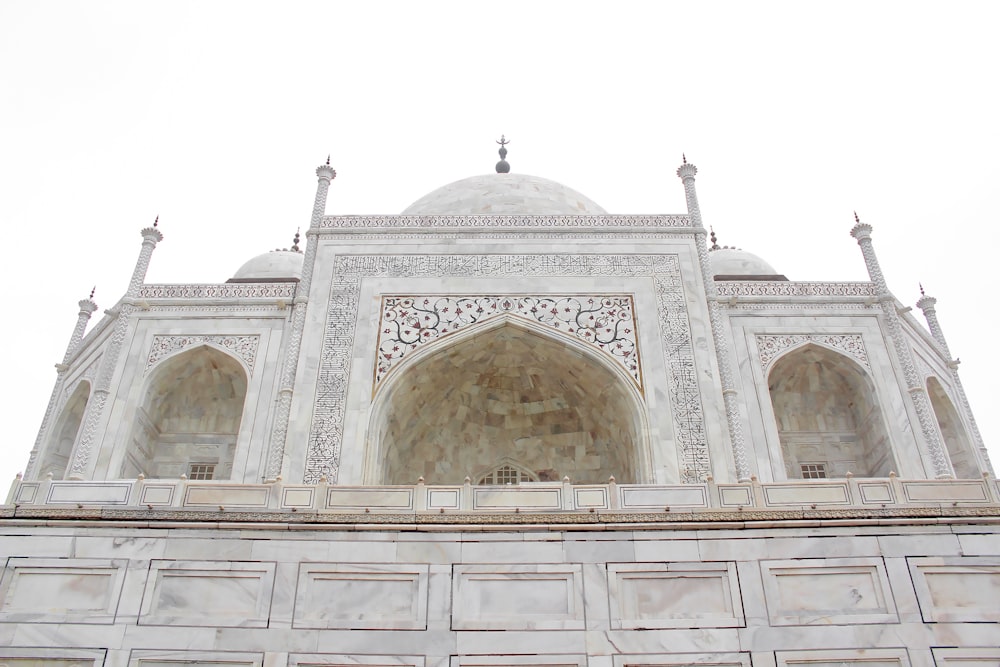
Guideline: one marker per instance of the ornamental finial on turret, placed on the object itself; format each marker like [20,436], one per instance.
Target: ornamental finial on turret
[503,167]
[921,286]
[684,158]
[715,243]
[295,241]
[92,290]
[328,159]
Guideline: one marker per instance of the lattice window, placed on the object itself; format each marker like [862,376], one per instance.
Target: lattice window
[813,470]
[201,471]
[505,475]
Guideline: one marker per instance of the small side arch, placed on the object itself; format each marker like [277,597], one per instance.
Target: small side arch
[828,415]
[507,390]
[953,432]
[190,415]
[59,448]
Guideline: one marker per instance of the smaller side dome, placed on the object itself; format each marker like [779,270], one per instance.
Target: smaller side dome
[277,266]
[735,264]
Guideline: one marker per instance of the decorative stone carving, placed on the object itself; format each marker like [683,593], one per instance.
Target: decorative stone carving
[327,429]
[603,321]
[243,348]
[222,291]
[771,346]
[493,222]
[788,288]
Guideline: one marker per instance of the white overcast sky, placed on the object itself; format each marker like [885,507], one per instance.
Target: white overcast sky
[213,115]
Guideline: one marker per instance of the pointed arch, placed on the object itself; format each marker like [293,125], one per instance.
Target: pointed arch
[828,416]
[62,438]
[506,390]
[190,416]
[953,432]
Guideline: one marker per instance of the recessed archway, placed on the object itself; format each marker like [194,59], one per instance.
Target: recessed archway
[828,417]
[504,392]
[63,437]
[190,417]
[963,461]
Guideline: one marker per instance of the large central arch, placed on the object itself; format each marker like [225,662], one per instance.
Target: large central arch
[506,400]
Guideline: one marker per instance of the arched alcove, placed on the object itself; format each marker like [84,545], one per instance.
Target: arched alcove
[828,417]
[953,432]
[63,436]
[190,417]
[505,393]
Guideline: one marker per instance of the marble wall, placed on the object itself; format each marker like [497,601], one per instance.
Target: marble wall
[239,593]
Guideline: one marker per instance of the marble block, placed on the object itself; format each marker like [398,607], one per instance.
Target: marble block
[53,590]
[517,597]
[361,597]
[956,589]
[674,595]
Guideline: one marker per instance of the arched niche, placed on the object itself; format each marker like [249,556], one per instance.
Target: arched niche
[504,392]
[189,418]
[63,436]
[963,461]
[828,417]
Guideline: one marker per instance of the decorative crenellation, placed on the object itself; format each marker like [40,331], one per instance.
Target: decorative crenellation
[222,291]
[327,430]
[771,346]
[606,322]
[498,221]
[789,288]
[686,172]
[243,348]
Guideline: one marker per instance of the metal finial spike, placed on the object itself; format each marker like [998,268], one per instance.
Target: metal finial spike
[502,166]
[856,218]
[921,286]
[295,241]
[715,243]
[156,223]
[92,290]
[328,159]
[684,158]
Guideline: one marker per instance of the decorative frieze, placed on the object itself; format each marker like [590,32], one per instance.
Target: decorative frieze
[220,291]
[327,430]
[771,346]
[789,288]
[492,222]
[606,322]
[243,348]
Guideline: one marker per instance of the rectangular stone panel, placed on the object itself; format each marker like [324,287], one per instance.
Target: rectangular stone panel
[524,498]
[215,495]
[890,657]
[98,493]
[682,660]
[642,496]
[361,597]
[343,660]
[152,658]
[224,594]
[831,591]
[51,657]
[930,491]
[374,499]
[517,597]
[966,657]
[61,590]
[512,660]
[674,595]
[957,589]
[802,493]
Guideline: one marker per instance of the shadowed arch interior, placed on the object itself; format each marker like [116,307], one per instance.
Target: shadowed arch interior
[963,461]
[190,418]
[60,448]
[507,394]
[828,417]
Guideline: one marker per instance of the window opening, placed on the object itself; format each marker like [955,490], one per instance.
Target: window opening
[504,475]
[813,470]
[201,471]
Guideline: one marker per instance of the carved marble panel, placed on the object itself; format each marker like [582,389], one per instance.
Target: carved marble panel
[60,590]
[361,597]
[674,595]
[770,346]
[217,593]
[606,322]
[863,657]
[51,657]
[677,659]
[966,657]
[327,428]
[830,591]
[243,348]
[957,589]
[517,597]
[153,658]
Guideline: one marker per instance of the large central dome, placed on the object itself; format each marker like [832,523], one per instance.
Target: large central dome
[504,194]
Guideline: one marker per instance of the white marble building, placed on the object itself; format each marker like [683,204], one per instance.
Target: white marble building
[505,428]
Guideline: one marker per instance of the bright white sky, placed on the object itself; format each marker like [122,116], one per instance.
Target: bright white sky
[213,115]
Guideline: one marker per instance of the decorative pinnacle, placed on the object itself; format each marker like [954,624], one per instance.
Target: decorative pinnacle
[328,159]
[856,218]
[156,223]
[921,286]
[684,158]
[503,167]
[295,241]
[715,244]
[94,289]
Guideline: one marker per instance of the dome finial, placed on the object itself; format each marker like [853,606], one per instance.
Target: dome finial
[94,289]
[328,159]
[715,243]
[502,166]
[921,286]
[295,241]
[856,218]
[156,223]
[684,158]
